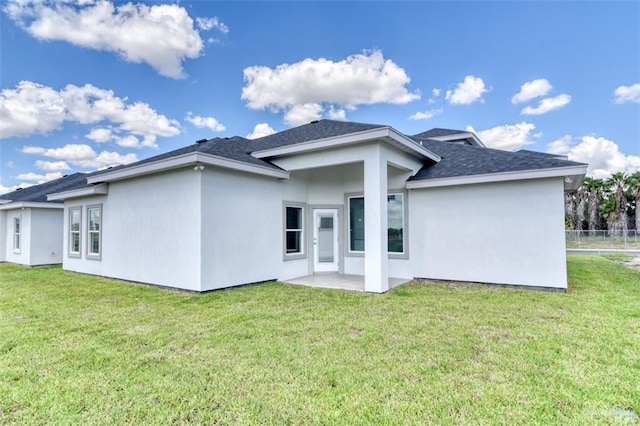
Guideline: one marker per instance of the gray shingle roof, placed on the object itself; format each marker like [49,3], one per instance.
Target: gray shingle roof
[234,148]
[38,193]
[466,160]
[320,129]
[457,159]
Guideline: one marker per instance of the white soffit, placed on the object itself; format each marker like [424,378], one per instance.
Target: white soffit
[499,177]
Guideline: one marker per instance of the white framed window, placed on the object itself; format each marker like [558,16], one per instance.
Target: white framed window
[75,219]
[17,224]
[94,232]
[395,223]
[294,237]
[396,212]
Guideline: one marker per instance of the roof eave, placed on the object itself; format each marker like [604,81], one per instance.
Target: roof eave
[386,133]
[30,205]
[574,172]
[182,161]
[100,189]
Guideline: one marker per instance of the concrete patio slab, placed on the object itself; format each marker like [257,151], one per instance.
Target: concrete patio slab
[339,281]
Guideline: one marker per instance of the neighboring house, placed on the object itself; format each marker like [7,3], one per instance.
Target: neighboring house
[326,197]
[30,226]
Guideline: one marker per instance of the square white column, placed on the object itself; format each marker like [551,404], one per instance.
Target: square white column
[376,275]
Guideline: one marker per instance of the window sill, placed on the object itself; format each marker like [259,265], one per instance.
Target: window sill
[296,256]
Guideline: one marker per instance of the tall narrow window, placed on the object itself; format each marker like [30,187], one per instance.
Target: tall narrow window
[293,230]
[75,215]
[94,231]
[395,223]
[16,234]
[356,224]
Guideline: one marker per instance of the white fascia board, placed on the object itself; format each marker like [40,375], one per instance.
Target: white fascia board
[185,160]
[5,202]
[386,134]
[499,177]
[101,189]
[30,205]
[213,160]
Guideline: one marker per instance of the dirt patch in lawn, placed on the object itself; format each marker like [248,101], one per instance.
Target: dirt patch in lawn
[630,262]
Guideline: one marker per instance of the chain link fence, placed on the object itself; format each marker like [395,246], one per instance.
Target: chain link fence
[618,240]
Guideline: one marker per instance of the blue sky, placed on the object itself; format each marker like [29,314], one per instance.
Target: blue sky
[90,84]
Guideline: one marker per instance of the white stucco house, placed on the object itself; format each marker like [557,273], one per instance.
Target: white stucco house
[328,197]
[31,226]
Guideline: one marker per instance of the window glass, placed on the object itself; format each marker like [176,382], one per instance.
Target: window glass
[395,223]
[94,219]
[293,230]
[74,231]
[395,220]
[16,233]
[94,215]
[356,224]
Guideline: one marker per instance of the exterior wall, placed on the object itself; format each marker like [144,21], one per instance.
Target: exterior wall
[23,256]
[242,228]
[150,231]
[506,233]
[46,236]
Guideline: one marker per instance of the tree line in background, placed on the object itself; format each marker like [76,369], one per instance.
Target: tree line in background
[605,204]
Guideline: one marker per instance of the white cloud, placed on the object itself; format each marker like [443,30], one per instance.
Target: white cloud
[337,113]
[34,177]
[33,108]
[6,189]
[30,108]
[205,122]
[303,114]
[162,35]
[82,155]
[560,146]
[52,166]
[531,90]
[128,141]
[100,134]
[436,92]
[261,130]
[508,136]
[304,90]
[628,94]
[547,104]
[602,155]
[206,24]
[467,92]
[425,115]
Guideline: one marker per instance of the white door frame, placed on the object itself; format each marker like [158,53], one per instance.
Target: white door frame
[325,265]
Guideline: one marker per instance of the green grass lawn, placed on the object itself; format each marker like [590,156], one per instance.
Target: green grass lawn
[76,349]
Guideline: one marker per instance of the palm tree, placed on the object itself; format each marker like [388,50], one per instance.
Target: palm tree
[614,209]
[634,191]
[570,213]
[592,189]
